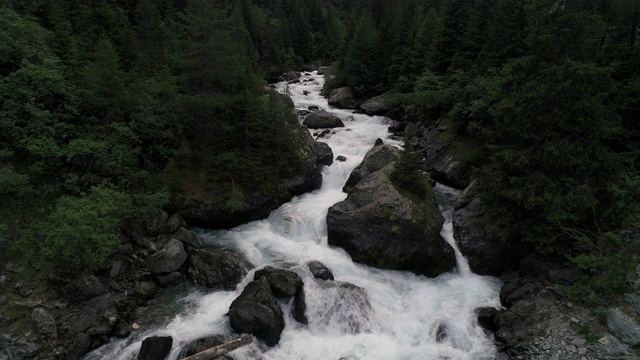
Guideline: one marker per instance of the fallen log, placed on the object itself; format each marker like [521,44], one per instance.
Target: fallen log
[221,349]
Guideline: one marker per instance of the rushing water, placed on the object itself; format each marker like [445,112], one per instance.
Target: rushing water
[401,315]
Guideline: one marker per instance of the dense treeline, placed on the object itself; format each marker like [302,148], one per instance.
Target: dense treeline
[105,106]
[551,88]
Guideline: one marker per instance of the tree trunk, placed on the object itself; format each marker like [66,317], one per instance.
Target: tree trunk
[221,349]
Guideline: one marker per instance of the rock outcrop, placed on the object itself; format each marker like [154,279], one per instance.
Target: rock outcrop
[321,119]
[377,158]
[375,106]
[256,311]
[168,259]
[341,98]
[379,226]
[284,283]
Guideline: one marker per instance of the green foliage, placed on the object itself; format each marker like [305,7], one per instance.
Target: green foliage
[362,68]
[83,231]
[407,174]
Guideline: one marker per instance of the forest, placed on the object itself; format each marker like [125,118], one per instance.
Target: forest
[107,106]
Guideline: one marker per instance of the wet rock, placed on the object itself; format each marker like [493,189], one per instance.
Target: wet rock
[319,270]
[299,310]
[313,108]
[487,318]
[155,348]
[189,238]
[339,305]
[256,311]
[440,157]
[291,76]
[379,226]
[321,119]
[441,332]
[168,259]
[377,158]
[83,288]
[375,106]
[341,98]
[44,323]
[517,324]
[174,223]
[397,126]
[284,283]
[201,345]
[216,268]
[341,158]
[324,154]
[623,327]
[378,142]
[146,290]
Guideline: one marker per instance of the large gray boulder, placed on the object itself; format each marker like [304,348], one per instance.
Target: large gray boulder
[324,154]
[216,268]
[321,119]
[341,98]
[441,147]
[169,259]
[377,158]
[155,348]
[256,311]
[375,106]
[379,226]
[319,270]
[44,323]
[623,327]
[189,238]
[284,283]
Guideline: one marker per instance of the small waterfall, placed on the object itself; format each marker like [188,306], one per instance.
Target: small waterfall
[445,196]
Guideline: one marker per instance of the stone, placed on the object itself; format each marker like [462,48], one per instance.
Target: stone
[634,301]
[378,142]
[169,259]
[313,108]
[291,76]
[156,224]
[623,327]
[201,345]
[216,268]
[375,106]
[487,318]
[83,288]
[327,307]
[516,325]
[284,283]
[319,270]
[299,310]
[324,154]
[256,311]
[614,346]
[376,159]
[44,323]
[189,238]
[321,119]
[79,347]
[341,98]
[379,226]
[171,279]
[341,158]
[146,290]
[118,267]
[155,348]
[440,150]
[99,317]
[565,276]
[174,223]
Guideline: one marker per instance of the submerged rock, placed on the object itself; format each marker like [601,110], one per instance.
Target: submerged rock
[256,311]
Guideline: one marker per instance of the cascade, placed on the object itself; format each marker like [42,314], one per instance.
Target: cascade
[399,315]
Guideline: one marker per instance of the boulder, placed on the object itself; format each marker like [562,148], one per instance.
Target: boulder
[321,70]
[375,106]
[156,224]
[518,323]
[321,119]
[377,158]
[623,327]
[145,290]
[79,347]
[313,107]
[487,318]
[208,209]
[284,283]
[319,271]
[379,226]
[99,317]
[83,288]
[324,154]
[189,238]
[440,149]
[169,259]
[171,279]
[299,310]
[378,142]
[486,256]
[256,311]
[341,158]
[291,76]
[341,98]
[44,323]
[155,348]
[118,267]
[201,345]
[216,268]
[174,223]
[568,276]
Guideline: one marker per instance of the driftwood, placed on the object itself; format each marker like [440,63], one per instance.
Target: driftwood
[221,349]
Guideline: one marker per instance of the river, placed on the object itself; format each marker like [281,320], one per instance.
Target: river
[406,310]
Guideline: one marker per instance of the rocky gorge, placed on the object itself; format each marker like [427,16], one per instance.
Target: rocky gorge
[375,224]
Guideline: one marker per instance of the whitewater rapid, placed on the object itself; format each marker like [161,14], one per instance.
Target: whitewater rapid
[402,313]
